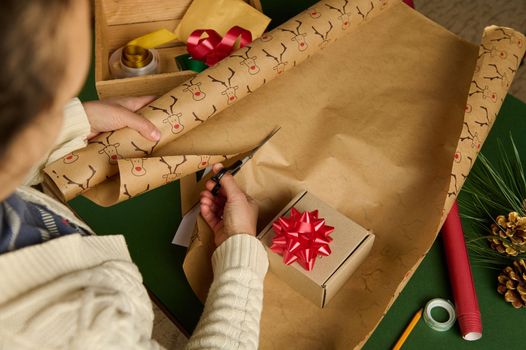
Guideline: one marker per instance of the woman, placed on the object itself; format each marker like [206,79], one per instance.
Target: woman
[61,286]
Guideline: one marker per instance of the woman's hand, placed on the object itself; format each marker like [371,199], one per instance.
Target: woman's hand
[231,211]
[117,113]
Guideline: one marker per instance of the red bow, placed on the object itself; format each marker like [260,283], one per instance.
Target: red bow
[301,237]
[213,48]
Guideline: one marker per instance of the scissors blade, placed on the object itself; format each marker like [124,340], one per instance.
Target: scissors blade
[265,140]
[234,168]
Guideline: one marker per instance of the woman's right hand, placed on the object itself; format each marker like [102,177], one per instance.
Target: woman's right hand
[229,213]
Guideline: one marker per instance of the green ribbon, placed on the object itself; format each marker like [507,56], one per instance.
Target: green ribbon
[186,62]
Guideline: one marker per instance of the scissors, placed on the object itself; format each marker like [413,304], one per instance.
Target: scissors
[234,168]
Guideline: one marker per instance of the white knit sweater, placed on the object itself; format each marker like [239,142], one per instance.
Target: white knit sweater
[78,292]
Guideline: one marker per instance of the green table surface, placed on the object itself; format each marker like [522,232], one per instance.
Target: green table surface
[149,222]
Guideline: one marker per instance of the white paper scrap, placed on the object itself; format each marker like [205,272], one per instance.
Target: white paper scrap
[186,228]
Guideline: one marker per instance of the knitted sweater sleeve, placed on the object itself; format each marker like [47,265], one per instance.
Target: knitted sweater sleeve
[75,129]
[232,310]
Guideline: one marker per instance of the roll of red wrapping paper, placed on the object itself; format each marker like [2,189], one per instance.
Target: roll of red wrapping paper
[465,297]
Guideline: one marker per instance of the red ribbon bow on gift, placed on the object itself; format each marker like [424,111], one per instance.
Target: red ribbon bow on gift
[213,48]
[301,237]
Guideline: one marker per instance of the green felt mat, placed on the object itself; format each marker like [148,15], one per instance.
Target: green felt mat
[149,222]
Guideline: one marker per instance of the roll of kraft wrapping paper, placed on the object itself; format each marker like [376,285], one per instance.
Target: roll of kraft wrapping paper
[208,93]
[464,294]
[500,54]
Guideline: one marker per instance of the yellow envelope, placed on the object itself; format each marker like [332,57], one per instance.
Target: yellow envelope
[221,15]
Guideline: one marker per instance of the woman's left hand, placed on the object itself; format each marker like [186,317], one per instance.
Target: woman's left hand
[117,113]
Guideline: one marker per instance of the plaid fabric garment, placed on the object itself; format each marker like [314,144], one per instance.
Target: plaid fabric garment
[24,223]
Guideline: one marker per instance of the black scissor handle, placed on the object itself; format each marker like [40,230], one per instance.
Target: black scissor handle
[233,169]
[217,179]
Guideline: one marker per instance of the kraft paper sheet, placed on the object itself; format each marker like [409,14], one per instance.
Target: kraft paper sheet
[371,125]
[387,135]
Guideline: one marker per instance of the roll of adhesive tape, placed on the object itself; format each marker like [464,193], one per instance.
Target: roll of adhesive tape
[434,324]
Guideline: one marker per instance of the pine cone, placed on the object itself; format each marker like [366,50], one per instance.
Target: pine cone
[509,234]
[512,284]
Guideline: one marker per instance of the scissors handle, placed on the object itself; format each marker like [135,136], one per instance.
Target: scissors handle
[233,169]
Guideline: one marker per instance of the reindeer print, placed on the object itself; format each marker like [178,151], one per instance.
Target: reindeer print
[280,65]
[172,174]
[486,92]
[197,119]
[248,61]
[487,121]
[298,37]
[492,51]
[513,39]
[344,16]
[324,37]
[110,149]
[457,157]
[70,158]
[84,185]
[383,3]
[137,166]
[205,161]
[266,37]
[364,15]
[174,119]
[518,63]
[127,193]
[314,13]
[503,77]
[473,137]
[194,89]
[454,182]
[146,152]
[230,91]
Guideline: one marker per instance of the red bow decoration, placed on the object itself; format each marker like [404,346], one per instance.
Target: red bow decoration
[301,237]
[213,48]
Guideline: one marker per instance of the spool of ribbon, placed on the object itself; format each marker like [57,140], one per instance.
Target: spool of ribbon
[301,237]
[213,48]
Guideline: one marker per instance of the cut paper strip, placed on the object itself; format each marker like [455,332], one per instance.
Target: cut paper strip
[183,235]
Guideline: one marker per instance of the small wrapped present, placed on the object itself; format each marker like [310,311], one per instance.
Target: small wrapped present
[314,248]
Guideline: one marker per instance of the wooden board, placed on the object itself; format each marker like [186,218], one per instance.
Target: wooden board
[152,85]
[118,35]
[142,11]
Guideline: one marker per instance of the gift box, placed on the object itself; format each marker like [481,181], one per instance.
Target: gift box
[341,246]
[117,23]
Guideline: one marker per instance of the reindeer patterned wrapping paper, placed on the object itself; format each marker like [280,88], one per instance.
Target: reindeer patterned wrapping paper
[500,55]
[202,97]
[372,125]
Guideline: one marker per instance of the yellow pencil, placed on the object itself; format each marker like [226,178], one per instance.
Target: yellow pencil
[408,330]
